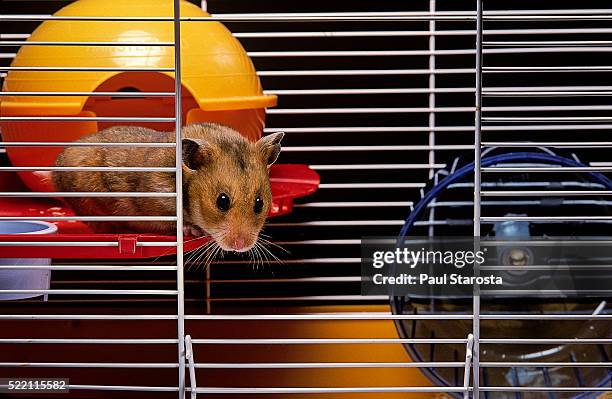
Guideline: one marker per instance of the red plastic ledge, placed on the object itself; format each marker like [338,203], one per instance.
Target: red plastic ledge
[75,240]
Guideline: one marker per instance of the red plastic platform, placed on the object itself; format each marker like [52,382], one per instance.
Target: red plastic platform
[75,240]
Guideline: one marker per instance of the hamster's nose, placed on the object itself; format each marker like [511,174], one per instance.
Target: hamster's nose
[238,243]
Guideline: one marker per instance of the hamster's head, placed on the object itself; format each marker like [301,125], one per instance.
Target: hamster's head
[227,187]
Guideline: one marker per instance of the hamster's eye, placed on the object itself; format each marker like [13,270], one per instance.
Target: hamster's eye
[223,202]
[258,207]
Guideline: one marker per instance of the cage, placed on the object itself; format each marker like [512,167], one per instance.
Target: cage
[376,98]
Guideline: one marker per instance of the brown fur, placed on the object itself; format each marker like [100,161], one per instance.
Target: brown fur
[216,159]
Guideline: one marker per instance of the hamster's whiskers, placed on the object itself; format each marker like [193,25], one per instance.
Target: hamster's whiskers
[273,244]
[261,254]
[208,252]
[197,253]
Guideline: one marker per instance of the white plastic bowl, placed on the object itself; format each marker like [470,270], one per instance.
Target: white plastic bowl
[34,279]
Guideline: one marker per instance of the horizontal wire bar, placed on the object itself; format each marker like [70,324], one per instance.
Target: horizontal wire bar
[113,341]
[371,91]
[329,316]
[333,34]
[558,144]
[91,292]
[590,68]
[544,389]
[262,17]
[312,298]
[82,144]
[89,268]
[86,317]
[546,218]
[463,32]
[310,316]
[550,108]
[382,166]
[546,364]
[547,127]
[386,316]
[255,17]
[578,11]
[86,169]
[326,365]
[339,16]
[548,169]
[368,129]
[549,43]
[339,223]
[82,69]
[548,119]
[546,88]
[548,18]
[370,185]
[86,194]
[84,119]
[392,33]
[548,193]
[548,267]
[325,341]
[286,111]
[313,390]
[353,204]
[540,50]
[548,341]
[344,72]
[285,280]
[367,72]
[93,219]
[319,365]
[358,53]
[298,261]
[377,148]
[96,44]
[13,36]
[566,93]
[90,365]
[85,93]
[79,243]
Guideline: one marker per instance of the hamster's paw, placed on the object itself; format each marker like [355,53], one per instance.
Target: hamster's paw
[194,231]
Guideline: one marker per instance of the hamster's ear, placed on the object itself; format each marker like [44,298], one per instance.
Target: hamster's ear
[196,153]
[269,147]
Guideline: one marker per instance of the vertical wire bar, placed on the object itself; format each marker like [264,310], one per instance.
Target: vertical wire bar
[208,288]
[477,195]
[468,362]
[180,283]
[432,105]
[477,119]
[192,374]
